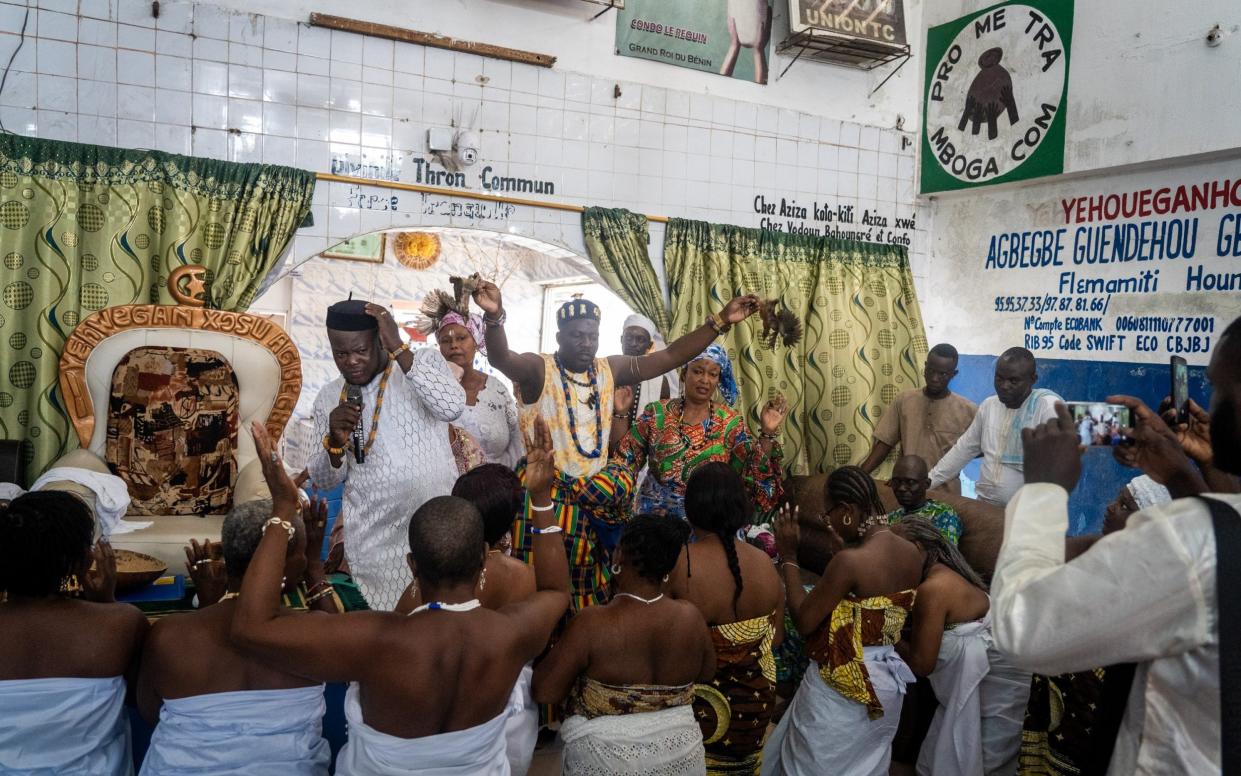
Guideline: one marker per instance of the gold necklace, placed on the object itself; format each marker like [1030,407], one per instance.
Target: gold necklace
[379,403]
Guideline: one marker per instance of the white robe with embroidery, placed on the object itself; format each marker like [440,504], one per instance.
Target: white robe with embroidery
[410,462]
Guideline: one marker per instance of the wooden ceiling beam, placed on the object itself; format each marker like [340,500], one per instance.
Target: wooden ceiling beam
[430,39]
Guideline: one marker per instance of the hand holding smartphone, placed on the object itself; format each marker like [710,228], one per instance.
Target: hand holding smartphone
[1180,389]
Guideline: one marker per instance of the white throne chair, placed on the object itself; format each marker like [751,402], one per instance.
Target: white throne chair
[195,369]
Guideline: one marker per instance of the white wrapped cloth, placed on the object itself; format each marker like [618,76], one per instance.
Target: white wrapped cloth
[64,726]
[953,744]
[246,733]
[476,751]
[824,732]
[1003,696]
[105,493]
[668,741]
[521,731]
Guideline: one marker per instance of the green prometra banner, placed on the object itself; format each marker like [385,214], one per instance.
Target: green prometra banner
[995,95]
[730,38]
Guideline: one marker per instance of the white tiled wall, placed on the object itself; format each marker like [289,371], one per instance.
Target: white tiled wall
[209,82]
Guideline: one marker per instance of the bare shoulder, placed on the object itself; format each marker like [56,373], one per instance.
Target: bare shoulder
[748,553]
[688,614]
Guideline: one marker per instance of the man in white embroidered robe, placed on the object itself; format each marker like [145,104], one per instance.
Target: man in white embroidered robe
[408,399]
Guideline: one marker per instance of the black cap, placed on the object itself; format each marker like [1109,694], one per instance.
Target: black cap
[350,315]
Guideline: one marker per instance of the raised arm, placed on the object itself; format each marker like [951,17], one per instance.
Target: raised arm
[534,618]
[1143,600]
[967,448]
[524,369]
[1144,586]
[810,610]
[630,370]
[758,459]
[633,446]
[326,649]
[328,470]
[436,386]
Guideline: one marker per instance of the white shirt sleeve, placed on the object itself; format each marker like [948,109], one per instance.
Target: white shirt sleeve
[1136,595]
[435,386]
[318,463]
[967,448]
[1046,410]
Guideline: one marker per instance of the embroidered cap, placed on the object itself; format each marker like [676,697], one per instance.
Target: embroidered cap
[577,310]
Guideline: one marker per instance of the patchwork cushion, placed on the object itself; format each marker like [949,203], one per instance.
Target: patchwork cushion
[172,430]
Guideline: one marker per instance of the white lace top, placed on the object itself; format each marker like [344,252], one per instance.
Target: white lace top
[492,421]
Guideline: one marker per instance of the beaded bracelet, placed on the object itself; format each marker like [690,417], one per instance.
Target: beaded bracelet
[551,529]
[285,524]
[327,445]
[495,322]
[537,508]
[319,595]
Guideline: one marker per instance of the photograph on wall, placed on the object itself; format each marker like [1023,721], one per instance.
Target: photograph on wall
[995,95]
[730,38]
[877,21]
[364,247]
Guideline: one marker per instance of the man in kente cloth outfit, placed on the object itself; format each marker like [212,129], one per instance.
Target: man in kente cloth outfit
[572,390]
[408,399]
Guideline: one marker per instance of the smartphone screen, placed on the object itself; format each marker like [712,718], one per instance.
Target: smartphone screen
[1180,389]
[1099,423]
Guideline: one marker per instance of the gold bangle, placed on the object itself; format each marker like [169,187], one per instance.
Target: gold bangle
[393,355]
[327,445]
[716,321]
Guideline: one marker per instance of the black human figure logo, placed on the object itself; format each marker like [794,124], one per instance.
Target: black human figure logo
[990,94]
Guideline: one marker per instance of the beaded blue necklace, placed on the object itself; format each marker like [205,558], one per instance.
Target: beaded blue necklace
[593,383]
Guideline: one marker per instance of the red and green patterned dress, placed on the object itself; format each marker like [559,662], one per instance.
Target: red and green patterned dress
[672,450]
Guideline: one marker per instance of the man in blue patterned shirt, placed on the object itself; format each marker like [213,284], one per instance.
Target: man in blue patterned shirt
[909,484]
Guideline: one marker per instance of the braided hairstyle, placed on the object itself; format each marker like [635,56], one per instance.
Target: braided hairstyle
[652,544]
[852,485]
[716,501]
[45,537]
[921,532]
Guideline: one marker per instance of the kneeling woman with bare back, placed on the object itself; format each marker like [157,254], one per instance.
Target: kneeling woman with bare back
[843,718]
[65,663]
[738,591]
[629,668]
[982,697]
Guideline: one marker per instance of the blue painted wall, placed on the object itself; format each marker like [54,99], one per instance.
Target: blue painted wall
[1102,477]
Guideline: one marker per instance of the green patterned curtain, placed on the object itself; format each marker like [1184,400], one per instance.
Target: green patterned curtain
[86,227]
[864,341]
[616,242]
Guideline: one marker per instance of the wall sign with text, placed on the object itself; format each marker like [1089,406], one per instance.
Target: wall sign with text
[731,38]
[1135,267]
[995,95]
[878,21]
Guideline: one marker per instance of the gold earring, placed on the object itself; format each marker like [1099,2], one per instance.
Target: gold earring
[482,579]
[847,520]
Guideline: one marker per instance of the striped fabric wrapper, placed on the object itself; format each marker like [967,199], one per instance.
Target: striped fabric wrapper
[584,508]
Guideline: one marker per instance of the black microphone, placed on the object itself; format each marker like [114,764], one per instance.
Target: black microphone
[354,396]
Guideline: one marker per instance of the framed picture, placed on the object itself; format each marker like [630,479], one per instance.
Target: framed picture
[364,247]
